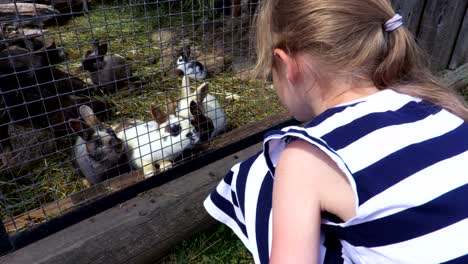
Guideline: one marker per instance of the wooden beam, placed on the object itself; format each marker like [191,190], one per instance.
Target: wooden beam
[439,28]
[140,230]
[26,13]
[411,11]
[460,53]
[5,243]
[457,79]
[59,207]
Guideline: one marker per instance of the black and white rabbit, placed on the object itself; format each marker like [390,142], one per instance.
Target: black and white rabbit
[98,153]
[191,68]
[158,141]
[208,104]
[110,72]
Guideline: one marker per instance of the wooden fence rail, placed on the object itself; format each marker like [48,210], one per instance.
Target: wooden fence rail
[440,28]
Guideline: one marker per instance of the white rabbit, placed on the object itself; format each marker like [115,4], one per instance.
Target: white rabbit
[159,141]
[208,104]
[191,68]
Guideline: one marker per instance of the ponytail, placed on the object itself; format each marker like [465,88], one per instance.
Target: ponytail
[403,68]
[350,36]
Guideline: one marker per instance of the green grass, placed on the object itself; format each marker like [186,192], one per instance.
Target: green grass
[217,245]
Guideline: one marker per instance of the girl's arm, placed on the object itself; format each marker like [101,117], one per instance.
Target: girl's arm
[307,182]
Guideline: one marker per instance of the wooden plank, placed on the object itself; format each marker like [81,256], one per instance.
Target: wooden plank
[460,53]
[439,28]
[26,13]
[5,243]
[59,207]
[40,215]
[140,230]
[411,11]
[457,79]
[37,216]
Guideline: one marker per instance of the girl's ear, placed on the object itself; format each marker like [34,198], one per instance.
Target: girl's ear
[286,64]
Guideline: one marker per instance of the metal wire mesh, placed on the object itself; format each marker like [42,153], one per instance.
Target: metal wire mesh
[84,86]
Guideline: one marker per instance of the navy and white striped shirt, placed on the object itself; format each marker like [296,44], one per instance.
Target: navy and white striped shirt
[407,162]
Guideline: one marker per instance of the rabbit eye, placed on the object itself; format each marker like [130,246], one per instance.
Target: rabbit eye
[175,130]
[97,143]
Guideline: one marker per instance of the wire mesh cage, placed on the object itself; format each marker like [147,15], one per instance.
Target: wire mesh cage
[98,95]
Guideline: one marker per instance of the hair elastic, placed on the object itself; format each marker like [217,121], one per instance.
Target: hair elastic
[395,22]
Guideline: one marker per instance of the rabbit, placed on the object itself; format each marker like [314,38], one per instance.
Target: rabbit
[191,68]
[98,153]
[18,59]
[209,106]
[158,141]
[109,72]
[30,83]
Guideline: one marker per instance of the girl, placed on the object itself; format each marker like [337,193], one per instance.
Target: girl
[379,174]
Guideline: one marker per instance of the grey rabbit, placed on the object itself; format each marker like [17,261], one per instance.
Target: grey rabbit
[97,153]
[109,72]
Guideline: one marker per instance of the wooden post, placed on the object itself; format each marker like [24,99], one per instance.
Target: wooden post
[457,79]
[460,53]
[411,11]
[439,28]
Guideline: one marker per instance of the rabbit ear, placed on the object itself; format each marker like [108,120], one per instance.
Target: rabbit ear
[195,110]
[170,107]
[202,92]
[187,51]
[88,53]
[80,128]
[102,49]
[88,115]
[203,125]
[185,87]
[181,52]
[158,115]
[96,45]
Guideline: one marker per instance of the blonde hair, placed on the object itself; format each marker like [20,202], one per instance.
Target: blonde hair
[349,35]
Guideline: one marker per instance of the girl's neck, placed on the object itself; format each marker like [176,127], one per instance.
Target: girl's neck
[339,91]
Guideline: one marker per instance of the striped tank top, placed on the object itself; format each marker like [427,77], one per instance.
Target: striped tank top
[407,162]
